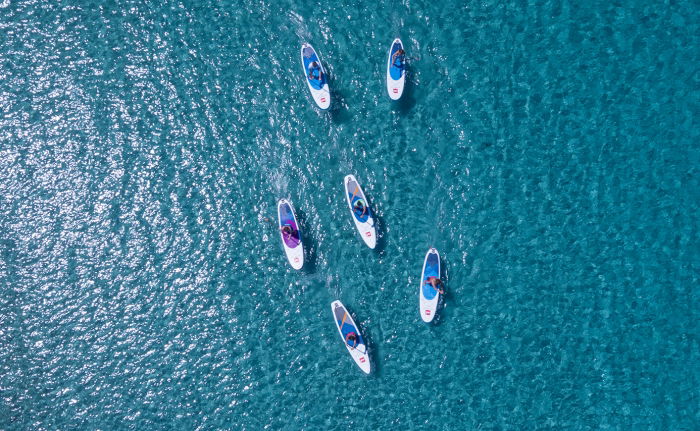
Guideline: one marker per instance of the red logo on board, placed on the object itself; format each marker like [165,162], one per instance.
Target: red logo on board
[427,312]
[396,90]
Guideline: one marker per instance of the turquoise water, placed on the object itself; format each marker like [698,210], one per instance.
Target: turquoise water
[548,150]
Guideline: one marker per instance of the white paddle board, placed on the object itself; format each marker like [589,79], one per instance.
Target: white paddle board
[345,325]
[429,295]
[315,76]
[363,218]
[292,244]
[395,71]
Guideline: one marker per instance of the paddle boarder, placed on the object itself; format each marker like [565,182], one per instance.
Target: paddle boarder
[399,55]
[315,71]
[435,282]
[360,208]
[287,231]
[351,338]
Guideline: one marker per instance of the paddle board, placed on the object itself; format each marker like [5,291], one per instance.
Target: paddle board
[364,219]
[292,244]
[429,296]
[315,76]
[395,71]
[345,325]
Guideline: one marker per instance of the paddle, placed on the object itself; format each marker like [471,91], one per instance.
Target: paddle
[355,348]
[357,189]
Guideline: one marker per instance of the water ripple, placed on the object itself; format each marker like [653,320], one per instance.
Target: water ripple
[547,150]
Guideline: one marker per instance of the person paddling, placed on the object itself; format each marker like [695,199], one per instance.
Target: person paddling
[360,208]
[398,58]
[315,71]
[287,231]
[435,282]
[351,339]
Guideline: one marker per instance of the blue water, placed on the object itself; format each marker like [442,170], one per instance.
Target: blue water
[548,150]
